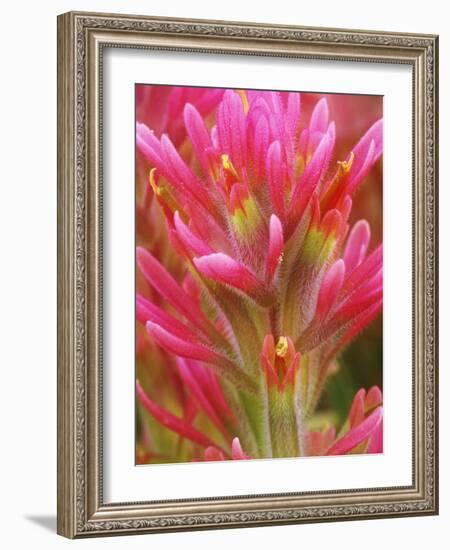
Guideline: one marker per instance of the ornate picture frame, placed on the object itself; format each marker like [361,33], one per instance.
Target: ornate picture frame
[82,39]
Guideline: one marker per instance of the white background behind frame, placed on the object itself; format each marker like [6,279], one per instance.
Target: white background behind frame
[28,504]
[123,481]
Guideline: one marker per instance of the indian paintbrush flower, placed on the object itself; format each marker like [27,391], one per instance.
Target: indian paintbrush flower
[273,282]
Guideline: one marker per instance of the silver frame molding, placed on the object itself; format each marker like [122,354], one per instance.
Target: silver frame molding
[81,39]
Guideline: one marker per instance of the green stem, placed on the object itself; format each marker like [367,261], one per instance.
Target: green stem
[256,411]
[283,423]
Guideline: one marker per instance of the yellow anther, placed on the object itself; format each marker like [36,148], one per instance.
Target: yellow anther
[244,100]
[228,165]
[347,164]
[151,179]
[282,346]
[162,193]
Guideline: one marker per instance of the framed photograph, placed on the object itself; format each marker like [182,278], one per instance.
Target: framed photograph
[247,288]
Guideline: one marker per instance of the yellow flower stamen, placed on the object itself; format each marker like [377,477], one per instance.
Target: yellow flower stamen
[346,165]
[228,165]
[152,181]
[163,194]
[244,100]
[282,346]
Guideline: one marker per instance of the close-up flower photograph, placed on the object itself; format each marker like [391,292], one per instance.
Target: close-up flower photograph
[259,274]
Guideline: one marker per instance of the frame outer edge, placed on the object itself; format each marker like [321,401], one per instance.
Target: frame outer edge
[436,214]
[435,219]
[76,480]
[66,490]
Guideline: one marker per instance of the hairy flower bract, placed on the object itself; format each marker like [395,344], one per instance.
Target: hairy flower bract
[252,277]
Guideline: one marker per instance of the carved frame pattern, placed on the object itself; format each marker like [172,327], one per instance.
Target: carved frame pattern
[81,37]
